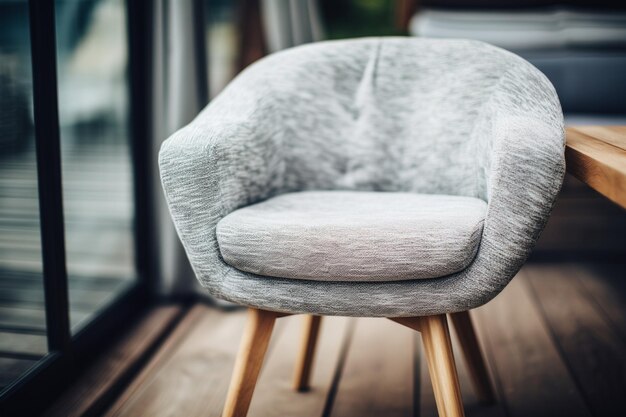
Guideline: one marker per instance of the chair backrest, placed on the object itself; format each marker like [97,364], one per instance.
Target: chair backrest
[385,114]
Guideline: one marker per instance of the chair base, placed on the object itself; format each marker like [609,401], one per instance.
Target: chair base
[437,347]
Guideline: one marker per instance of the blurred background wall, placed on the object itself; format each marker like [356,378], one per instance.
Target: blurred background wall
[199,46]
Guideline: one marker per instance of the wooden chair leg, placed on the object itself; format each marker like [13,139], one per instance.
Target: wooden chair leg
[443,375]
[438,350]
[476,365]
[252,350]
[304,363]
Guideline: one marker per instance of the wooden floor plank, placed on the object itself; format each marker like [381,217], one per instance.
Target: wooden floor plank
[532,379]
[94,389]
[276,381]
[378,376]
[366,367]
[190,374]
[473,408]
[594,351]
[607,286]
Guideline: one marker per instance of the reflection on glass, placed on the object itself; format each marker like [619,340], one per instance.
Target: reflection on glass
[96,157]
[222,42]
[22,310]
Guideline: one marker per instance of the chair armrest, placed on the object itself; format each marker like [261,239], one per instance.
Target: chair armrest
[528,166]
[526,171]
[209,169]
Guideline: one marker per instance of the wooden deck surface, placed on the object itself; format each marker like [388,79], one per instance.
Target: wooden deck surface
[555,341]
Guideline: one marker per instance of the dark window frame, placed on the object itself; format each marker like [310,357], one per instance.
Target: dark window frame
[68,354]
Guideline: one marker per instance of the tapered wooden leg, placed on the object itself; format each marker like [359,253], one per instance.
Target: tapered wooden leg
[438,350]
[304,363]
[443,375]
[476,365]
[252,350]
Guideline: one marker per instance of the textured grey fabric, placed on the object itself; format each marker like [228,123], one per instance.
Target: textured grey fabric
[353,235]
[427,116]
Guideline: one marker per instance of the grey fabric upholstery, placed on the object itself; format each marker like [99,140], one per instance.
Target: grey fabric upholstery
[426,116]
[353,236]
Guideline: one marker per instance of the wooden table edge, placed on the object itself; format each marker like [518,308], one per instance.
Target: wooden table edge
[599,164]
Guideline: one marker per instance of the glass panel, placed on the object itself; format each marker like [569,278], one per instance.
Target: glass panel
[222,43]
[22,309]
[96,155]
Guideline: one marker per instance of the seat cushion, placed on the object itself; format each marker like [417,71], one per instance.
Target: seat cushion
[353,236]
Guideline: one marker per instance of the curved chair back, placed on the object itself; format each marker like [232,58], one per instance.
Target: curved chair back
[383,114]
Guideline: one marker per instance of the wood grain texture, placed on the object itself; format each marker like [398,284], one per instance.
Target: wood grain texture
[410,322]
[474,359]
[377,379]
[441,366]
[425,396]
[274,395]
[533,379]
[93,389]
[598,161]
[304,363]
[189,375]
[614,135]
[471,403]
[542,362]
[594,351]
[253,346]
[473,407]
[606,286]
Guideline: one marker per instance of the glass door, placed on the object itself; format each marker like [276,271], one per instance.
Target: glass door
[23,339]
[96,159]
[74,188]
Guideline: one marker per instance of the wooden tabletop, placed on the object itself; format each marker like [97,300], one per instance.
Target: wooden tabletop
[596,155]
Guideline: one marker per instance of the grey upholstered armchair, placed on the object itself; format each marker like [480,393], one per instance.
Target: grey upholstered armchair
[392,177]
